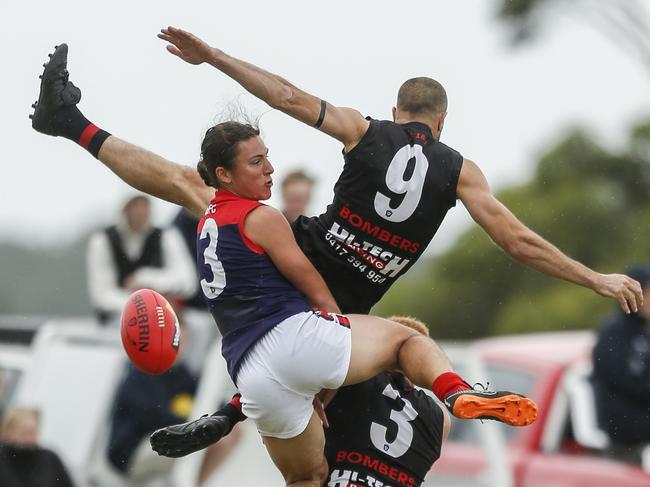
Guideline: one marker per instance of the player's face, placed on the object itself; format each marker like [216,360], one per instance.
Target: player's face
[251,174]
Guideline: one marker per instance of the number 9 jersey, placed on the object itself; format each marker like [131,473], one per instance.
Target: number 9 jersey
[395,189]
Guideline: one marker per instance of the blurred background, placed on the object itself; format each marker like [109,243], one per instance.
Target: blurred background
[549,97]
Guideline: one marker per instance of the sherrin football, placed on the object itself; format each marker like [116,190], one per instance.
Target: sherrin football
[150,331]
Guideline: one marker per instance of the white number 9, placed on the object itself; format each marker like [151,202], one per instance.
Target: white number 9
[411,189]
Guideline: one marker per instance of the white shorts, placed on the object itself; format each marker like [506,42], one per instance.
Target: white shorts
[283,371]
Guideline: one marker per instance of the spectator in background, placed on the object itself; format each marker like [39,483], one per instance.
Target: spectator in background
[144,403]
[199,322]
[133,254]
[296,194]
[23,463]
[622,370]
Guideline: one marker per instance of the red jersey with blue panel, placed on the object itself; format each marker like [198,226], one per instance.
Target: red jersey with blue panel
[244,291]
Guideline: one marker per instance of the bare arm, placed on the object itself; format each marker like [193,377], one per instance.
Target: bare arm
[269,229]
[524,245]
[154,175]
[344,124]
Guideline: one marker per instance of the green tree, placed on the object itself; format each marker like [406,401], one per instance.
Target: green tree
[625,23]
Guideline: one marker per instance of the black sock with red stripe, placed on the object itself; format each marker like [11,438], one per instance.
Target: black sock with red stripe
[232,411]
[71,124]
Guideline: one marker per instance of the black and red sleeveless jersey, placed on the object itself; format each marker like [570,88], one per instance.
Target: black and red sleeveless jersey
[395,189]
[382,433]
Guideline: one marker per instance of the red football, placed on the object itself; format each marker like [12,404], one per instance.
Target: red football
[150,331]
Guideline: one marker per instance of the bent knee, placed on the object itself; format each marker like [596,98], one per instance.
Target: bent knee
[408,335]
[315,476]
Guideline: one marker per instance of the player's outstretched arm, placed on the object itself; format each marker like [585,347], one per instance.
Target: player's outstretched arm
[524,245]
[155,175]
[344,124]
[269,229]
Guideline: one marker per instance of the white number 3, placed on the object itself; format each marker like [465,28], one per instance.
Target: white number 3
[411,189]
[402,442]
[215,287]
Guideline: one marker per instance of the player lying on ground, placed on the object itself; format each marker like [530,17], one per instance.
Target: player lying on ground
[261,288]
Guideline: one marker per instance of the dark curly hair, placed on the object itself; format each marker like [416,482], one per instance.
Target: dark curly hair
[219,148]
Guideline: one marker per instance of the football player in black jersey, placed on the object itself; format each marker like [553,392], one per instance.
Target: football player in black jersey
[384,431]
[397,184]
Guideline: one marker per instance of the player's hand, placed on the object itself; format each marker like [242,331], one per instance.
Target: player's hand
[623,288]
[186,46]
[320,410]
[321,401]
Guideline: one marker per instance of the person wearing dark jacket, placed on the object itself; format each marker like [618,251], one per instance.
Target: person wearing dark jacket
[23,463]
[622,370]
[144,403]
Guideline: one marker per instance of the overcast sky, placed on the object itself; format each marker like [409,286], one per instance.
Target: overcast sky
[505,105]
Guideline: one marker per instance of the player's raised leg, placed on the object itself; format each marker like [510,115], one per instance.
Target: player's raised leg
[379,344]
[56,114]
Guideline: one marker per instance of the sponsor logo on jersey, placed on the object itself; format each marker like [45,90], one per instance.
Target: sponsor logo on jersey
[388,473]
[369,228]
[385,261]
[350,478]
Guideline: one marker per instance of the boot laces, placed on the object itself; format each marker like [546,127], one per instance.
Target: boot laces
[483,388]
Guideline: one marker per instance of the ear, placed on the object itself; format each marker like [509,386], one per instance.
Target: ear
[394,113]
[441,121]
[223,175]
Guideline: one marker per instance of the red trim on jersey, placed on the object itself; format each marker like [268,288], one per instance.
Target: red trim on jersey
[87,135]
[232,209]
[249,243]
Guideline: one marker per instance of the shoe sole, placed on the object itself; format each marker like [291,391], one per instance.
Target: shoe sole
[49,100]
[167,442]
[58,60]
[510,409]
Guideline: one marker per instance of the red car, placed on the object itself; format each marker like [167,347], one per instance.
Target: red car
[563,448]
